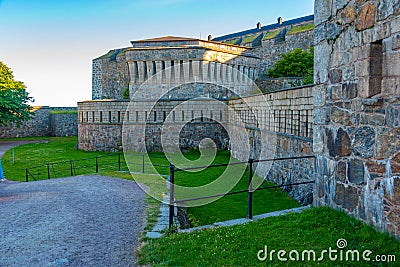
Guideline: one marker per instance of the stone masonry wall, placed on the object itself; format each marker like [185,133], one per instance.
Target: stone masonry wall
[289,115]
[44,124]
[100,125]
[39,125]
[271,51]
[64,124]
[357,107]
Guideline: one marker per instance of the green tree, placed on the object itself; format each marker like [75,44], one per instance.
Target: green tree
[14,99]
[297,63]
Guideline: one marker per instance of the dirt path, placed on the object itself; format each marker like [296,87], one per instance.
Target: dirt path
[77,221]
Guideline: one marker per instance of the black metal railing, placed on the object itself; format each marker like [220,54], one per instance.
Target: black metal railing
[75,167]
[250,190]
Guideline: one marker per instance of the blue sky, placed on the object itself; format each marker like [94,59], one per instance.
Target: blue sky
[50,44]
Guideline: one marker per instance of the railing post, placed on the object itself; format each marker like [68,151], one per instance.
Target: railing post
[171,194]
[250,191]
[142,163]
[97,164]
[70,164]
[48,171]
[26,175]
[119,161]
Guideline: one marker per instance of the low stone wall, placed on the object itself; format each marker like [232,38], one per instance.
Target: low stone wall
[44,123]
[39,125]
[64,124]
[267,85]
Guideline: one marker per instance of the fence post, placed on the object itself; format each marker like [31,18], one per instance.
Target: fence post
[171,194]
[70,164]
[250,191]
[48,171]
[97,164]
[119,161]
[142,163]
[26,175]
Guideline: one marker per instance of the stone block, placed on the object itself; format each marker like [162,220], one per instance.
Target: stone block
[396,42]
[391,64]
[346,197]
[349,90]
[372,119]
[344,116]
[369,86]
[321,62]
[355,171]
[393,115]
[341,171]
[364,141]
[387,8]
[347,15]
[322,11]
[321,116]
[340,146]
[366,17]
[319,96]
[387,143]
[375,167]
[335,76]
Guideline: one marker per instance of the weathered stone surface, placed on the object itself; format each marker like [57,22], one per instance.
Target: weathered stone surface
[387,8]
[366,17]
[355,171]
[347,197]
[322,11]
[321,62]
[344,116]
[349,90]
[372,119]
[347,15]
[321,115]
[375,167]
[396,42]
[335,76]
[340,146]
[393,115]
[341,171]
[332,31]
[387,143]
[364,141]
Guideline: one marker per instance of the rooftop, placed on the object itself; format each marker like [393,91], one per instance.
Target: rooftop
[265,28]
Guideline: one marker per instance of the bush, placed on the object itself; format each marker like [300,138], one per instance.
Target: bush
[297,63]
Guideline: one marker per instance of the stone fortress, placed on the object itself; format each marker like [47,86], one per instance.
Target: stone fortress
[349,119]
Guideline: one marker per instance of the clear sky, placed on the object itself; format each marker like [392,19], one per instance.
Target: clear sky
[50,44]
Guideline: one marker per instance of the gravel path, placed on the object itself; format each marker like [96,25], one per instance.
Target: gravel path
[77,221]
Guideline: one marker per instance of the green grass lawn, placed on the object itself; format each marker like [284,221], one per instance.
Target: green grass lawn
[230,206]
[316,229]
[58,150]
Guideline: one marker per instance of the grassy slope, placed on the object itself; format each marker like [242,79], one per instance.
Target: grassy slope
[316,229]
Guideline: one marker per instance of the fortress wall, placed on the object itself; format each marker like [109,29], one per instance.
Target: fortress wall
[44,123]
[110,76]
[289,115]
[100,125]
[39,125]
[357,107]
[271,51]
